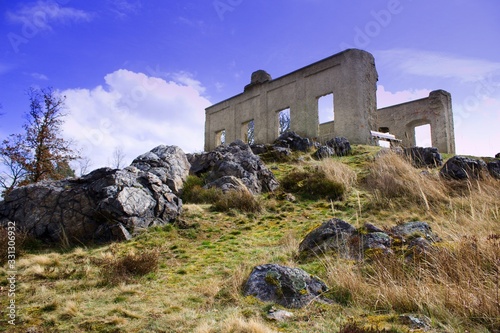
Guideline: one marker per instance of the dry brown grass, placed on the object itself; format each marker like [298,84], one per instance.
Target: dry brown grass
[393,177]
[117,268]
[241,200]
[328,179]
[235,324]
[458,280]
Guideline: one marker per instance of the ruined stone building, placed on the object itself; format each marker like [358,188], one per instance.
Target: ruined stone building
[350,79]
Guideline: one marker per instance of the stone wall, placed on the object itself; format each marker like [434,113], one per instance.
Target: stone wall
[351,77]
[434,110]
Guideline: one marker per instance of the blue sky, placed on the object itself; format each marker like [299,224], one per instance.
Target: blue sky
[140,73]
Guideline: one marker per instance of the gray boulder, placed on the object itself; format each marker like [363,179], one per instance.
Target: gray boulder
[236,160]
[411,230]
[324,152]
[497,155]
[424,157]
[293,141]
[461,167]
[494,168]
[289,287]
[271,153]
[228,183]
[169,163]
[376,240]
[104,205]
[340,145]
[334,234]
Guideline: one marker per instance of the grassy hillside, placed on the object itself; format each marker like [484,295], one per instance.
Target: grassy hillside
[188,277]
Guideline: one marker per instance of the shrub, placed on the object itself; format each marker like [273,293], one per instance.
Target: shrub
[237,199]
[312,185]
[193,191]
[116,269]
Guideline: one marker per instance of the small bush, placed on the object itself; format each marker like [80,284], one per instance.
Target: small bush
[116,269]
[312,185]
[193,191]
[240,200]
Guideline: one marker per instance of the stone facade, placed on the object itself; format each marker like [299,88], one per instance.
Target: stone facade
[435,110]
[351,77]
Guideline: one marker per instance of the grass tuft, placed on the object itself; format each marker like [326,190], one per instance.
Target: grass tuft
[118,269]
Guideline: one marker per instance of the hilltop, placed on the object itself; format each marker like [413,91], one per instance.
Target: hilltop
[189,275]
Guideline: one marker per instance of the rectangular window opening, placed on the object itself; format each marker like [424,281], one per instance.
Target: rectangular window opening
[423,136]
[283,121]
[326,111]
[220,137]
[248,132]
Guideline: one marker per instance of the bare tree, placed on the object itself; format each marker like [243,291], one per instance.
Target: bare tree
[40,152]
[118,159]
[84,163]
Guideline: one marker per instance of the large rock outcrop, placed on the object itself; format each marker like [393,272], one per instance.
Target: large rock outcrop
[234,161]
[169,163]
[103,205]
[289,287]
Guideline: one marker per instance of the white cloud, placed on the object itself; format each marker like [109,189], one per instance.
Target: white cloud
[137,113]
[435,64]
[386,98]
[43,13]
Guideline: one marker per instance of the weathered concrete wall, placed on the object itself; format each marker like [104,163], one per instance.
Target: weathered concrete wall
[351,77]
[435,110]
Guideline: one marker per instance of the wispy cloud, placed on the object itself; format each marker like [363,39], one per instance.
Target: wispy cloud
[436,64]
[124,8]
[43,13]
[39,76]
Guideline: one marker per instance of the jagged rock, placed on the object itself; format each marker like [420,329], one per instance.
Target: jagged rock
[376,240]
[289,287]
[369,227]
[271,153]
[228,183]
[417,247]
[340,145]
[258,149]
[334,234]
[497,155]
[169,163]
[460,167]
[293,141]
[236,160]
[324,152]
[101,206]
[424,157]
[410,230]
[494,168]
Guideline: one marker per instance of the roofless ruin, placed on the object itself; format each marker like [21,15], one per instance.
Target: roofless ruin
[350,79]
